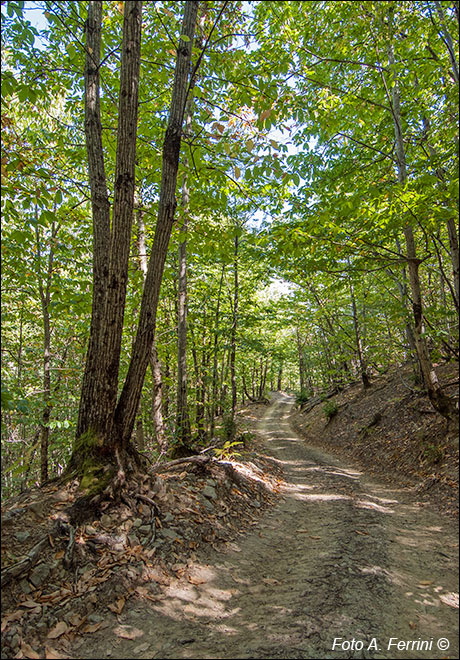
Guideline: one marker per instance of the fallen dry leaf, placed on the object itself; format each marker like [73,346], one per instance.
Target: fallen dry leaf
[270,581]
[28,651]
[14,616]
[425,583]
[128,632]
[362,533]
[316,538]
[302,531]
[118,606]
[77,620]
[59,629]
[52,654]
[29,604]
[92,628]
[59,554]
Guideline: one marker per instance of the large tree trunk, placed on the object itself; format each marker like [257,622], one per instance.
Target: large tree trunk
[98,457]
[100,382]
[129,399]
[91,414]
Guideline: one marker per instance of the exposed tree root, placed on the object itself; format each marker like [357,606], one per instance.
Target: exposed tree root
[12,572]
[200,460]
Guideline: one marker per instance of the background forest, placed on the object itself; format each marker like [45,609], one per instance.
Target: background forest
[315,238]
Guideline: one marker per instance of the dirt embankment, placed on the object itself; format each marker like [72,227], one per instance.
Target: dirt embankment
[392,431]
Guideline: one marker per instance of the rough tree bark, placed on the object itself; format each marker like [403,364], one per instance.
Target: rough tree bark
[103,453]
[96,448]
[93,385]
[129,399]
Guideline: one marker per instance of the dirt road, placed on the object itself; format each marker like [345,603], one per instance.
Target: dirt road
[342,567]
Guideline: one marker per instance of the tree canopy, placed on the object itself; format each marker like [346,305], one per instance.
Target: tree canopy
[297,161]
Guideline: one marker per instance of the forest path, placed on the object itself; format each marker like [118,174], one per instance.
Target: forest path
[340,556]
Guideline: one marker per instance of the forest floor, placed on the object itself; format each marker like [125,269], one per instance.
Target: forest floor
[274,554]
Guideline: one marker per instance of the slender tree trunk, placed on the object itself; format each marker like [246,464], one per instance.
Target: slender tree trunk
[183,429]
[359,347]
[280,377]
[157,415]
[447,40]
[439,400]
[201,393]
[409,331]
[223,381]
[158,404]
[302,370]
[452,231]
[44,286]
[214,386]
[233,330]
[166,387]
[454,256]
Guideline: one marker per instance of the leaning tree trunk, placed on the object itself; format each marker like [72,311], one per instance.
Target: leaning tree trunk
[129,399]
[440,401]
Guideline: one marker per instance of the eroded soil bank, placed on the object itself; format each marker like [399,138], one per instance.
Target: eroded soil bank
[339,558]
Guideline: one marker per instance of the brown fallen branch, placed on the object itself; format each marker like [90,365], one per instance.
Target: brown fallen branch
[11,572]
[200,460]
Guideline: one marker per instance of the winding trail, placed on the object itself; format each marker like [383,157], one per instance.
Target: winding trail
[340,556]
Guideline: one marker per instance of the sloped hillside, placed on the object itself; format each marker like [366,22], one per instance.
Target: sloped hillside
[391,430]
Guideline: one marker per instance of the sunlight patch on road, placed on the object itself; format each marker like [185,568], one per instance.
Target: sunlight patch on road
[339,472]
[325,497]
[365,504]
